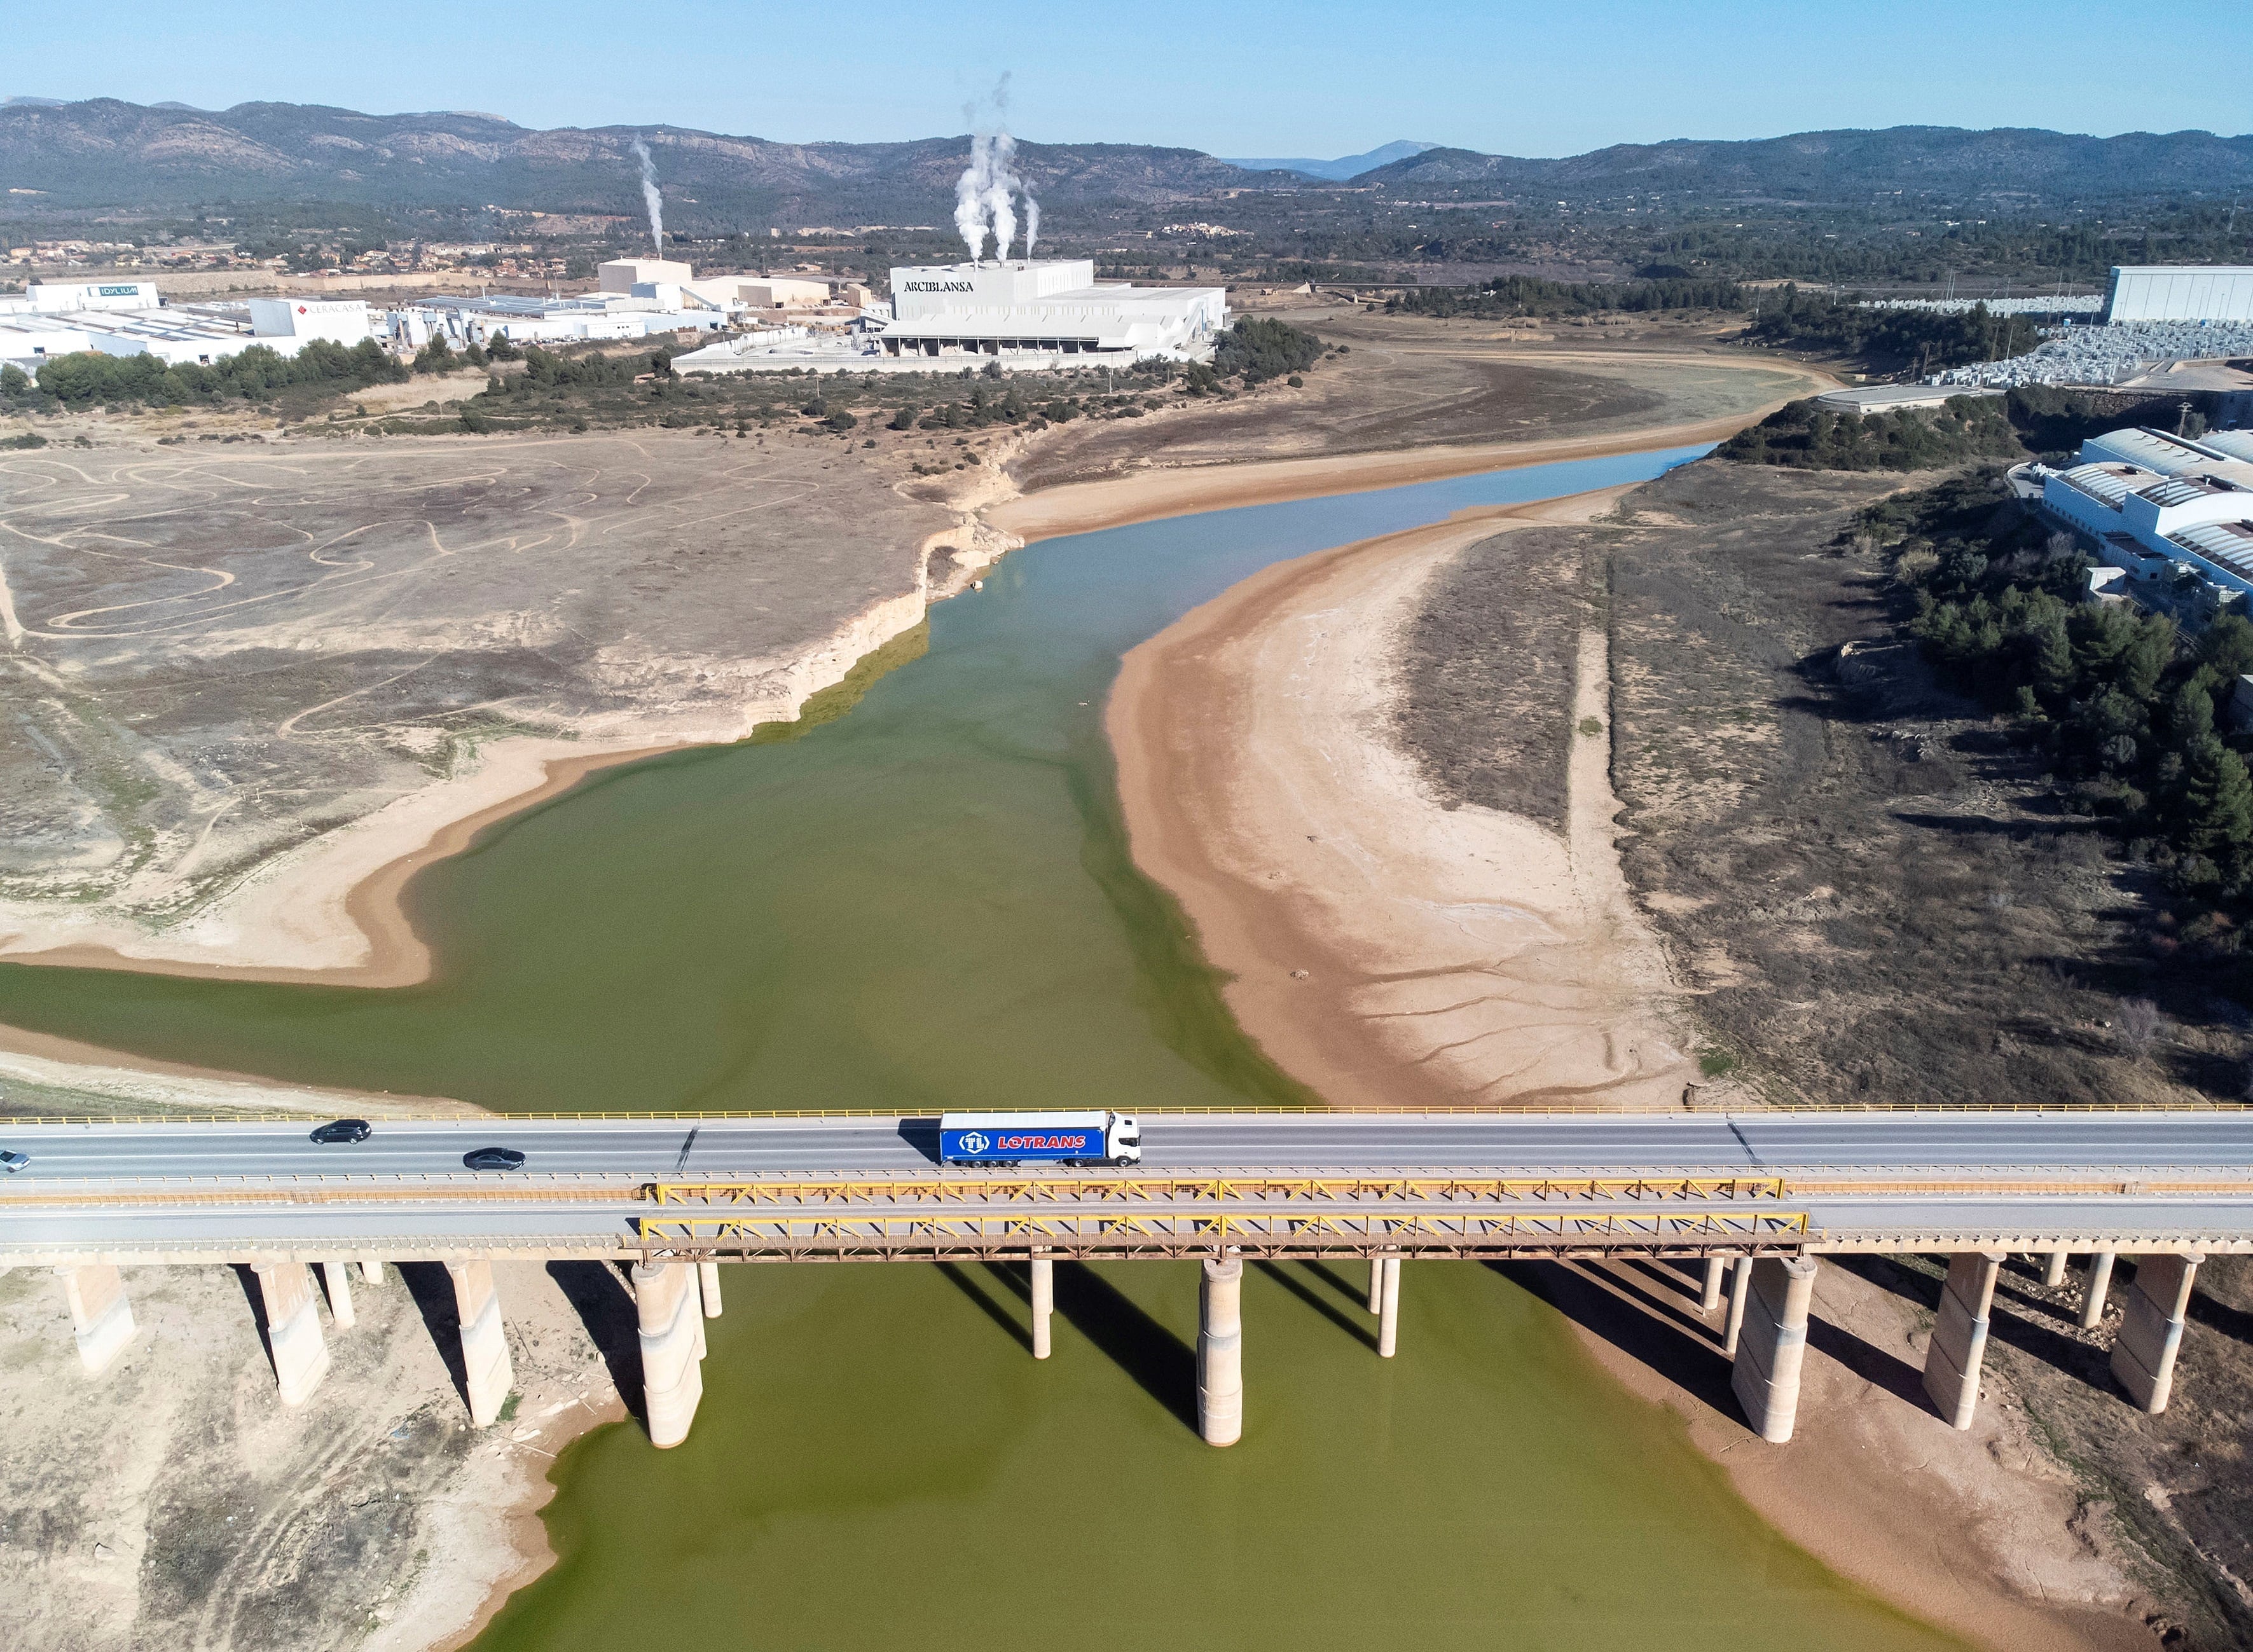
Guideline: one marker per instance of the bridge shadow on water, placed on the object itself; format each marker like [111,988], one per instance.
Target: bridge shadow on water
[963,1281]
[1630,1316]
[1157,1361]
[1287,1277]
[1648,1311]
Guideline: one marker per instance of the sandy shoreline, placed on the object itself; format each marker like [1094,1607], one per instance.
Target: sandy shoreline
[1386,950]
[1391,952]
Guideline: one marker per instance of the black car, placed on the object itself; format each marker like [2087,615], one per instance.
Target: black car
[342,1130]
[493,1159]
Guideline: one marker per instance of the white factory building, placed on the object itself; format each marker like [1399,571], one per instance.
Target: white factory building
[1048,307]
[2158,507]
[2180,292]
[130,318]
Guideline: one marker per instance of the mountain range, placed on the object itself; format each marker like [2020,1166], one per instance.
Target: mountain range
[1345,166]
[1946,161]
[102,152]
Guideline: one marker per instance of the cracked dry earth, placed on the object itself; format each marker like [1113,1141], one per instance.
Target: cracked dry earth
[173,1502]
[210,659]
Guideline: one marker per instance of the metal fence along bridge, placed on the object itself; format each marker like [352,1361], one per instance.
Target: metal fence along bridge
[1756,1196]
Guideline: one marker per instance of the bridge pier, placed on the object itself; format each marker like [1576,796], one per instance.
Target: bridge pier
[1044,1304]
[2151,1328]
[338,1276]
[671,1345]
[293,1328]
[1773,1344]
[1709,1298]
[371,1271]
[1959,1336]
[1388,1307]
[2092,1294]
[2054,1269]
[1220,1350]
[100,1314]
[1376,1283]
[486,1366]
[1740,1286]
[707,1288]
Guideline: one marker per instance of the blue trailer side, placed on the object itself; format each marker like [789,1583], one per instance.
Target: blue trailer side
[1052,1144]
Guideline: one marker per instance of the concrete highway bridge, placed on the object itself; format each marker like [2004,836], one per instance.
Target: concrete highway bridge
[1759,1196]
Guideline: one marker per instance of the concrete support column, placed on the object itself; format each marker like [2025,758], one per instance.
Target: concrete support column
[337,1276]
[99,1314]
[371,1271]
[2054,1269]
[1959,1336]
[2092,1294]
[1388,1307]
[1044,1304]
[293,1328]
[2151,1328]
[672,1332]
[1709,1298]
[1220,1351]
[1740,1286]
[1773,1344]
[1375,1283]
[485,1341]
[708,1288]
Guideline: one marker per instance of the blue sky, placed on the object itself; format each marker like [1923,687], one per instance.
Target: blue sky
[1316,77]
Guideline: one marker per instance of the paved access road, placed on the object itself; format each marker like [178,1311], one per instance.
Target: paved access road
[1988,1145]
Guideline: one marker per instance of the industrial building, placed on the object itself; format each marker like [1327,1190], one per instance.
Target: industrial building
[2171,514]
[130,318]
[2179,292]
[1048,307]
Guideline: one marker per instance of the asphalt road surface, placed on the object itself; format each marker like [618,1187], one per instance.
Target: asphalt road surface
[1741,1144]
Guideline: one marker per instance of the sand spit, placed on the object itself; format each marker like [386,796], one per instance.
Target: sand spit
[1391,951]
[1388,951]
[1153,494]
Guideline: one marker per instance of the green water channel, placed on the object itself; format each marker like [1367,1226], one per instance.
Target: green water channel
[920,897]
[925,902]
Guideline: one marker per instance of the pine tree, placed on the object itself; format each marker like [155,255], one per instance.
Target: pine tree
[2217,801]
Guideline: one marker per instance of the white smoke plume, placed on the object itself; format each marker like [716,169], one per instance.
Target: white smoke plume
[984,195]
[649,193]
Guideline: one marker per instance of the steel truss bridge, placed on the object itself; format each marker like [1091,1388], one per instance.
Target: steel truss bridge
[801,1188]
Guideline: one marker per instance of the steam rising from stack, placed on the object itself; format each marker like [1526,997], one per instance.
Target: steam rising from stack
[649,193]
[983,195]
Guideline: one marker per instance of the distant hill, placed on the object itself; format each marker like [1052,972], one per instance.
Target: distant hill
[1944,161]
[1345,166]
[103,152]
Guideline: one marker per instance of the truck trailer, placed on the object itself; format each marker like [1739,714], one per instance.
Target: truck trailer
[1090,1138]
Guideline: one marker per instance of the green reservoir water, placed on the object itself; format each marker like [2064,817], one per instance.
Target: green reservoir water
[880,1464]
[920,898]
[925,902]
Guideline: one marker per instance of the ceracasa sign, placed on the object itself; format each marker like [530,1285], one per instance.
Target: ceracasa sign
[939,286]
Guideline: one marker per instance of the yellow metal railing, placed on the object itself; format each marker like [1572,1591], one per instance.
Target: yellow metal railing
[828,1190]
[1209,1228]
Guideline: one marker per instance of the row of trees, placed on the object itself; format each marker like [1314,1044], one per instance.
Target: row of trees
[1528,295]
[88,377]
[2126,708]
[1921,338]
